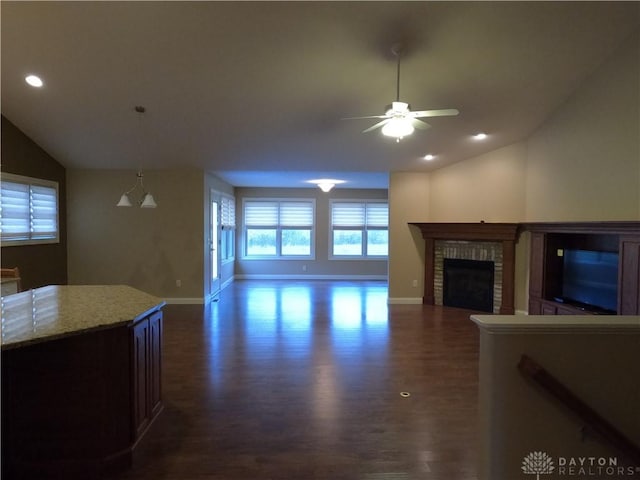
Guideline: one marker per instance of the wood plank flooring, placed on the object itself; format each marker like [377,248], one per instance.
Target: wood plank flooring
[303,380]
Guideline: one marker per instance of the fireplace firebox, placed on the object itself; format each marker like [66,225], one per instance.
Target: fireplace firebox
[468,284]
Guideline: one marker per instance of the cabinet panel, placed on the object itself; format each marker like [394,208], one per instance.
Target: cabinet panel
[147,372]
[140,375]
[155,363]
[629,277]
[536,265]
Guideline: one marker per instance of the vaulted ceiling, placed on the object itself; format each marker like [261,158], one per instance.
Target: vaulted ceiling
[256,91]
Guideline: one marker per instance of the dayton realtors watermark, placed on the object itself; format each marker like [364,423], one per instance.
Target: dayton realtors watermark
[541,463]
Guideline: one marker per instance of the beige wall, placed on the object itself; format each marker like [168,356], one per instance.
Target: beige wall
[148,249]
[490,188]
[517,417]
[408,202]
[583,163]
[321,266]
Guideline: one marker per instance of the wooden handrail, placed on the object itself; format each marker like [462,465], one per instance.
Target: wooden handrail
[530,369]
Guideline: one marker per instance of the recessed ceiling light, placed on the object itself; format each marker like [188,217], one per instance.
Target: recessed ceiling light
[480,136]
[34,81]
[428,157]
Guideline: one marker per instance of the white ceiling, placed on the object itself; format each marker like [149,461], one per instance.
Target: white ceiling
[255,91]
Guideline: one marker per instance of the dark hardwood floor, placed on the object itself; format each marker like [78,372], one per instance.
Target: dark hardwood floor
[303,380]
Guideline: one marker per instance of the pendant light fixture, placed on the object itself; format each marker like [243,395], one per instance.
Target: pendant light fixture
[145,199]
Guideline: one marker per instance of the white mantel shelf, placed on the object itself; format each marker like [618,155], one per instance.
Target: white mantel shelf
[574,324]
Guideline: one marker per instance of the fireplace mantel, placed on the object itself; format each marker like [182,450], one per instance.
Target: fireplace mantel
[490,232]
[504,233]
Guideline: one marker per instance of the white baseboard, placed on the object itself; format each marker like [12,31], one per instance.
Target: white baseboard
[405,301]
[260,276]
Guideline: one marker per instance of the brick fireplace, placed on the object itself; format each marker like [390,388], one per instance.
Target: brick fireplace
[493,242]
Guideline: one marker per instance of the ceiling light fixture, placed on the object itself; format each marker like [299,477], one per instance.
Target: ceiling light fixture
[34,81]
[326,184]
[428,157]
[480,136]
[145,199]
[398,127]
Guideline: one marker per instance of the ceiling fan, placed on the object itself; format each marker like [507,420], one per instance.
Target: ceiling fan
[399,121]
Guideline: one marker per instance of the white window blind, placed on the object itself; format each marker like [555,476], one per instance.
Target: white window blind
[228,212]
[28,210]
[354,214]
[377,215]
[296,214]
[348,214]
[258,213]
[285,213]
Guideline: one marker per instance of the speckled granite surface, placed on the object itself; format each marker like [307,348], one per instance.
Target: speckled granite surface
[60,310]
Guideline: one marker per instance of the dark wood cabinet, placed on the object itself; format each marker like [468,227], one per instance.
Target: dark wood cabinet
[549,240]
[75,407]
[146,358]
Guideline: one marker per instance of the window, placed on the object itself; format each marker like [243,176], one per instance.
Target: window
[278,228]
[228,229]
[28,210]
[359,229]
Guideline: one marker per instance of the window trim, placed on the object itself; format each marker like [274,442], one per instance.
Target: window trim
[364,229]
[31,182]
[279,228]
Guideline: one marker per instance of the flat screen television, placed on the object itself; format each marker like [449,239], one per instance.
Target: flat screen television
[590,279]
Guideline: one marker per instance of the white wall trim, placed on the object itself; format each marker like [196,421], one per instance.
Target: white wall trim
[405,301]
[185,301]
[259,276]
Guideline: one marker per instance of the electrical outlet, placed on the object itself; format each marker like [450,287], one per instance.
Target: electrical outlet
[560,252]
[415,283]
[178,283]
[304,268]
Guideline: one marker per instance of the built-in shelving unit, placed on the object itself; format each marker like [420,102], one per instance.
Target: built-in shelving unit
[550,243]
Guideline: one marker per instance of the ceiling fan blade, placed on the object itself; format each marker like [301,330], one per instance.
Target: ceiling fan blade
[377,125]
[435,113]
[359,118]
[419,124]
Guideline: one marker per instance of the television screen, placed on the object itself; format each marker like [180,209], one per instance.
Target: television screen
[591,278]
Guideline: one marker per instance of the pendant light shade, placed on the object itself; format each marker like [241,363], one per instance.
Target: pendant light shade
[124,201]
[146,200]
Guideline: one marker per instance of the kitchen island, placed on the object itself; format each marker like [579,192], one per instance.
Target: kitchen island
[81,379]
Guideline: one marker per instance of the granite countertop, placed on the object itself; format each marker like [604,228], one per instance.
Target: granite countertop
[57,311]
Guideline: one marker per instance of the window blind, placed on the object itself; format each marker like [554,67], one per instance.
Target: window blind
[28,209]
[258,213]
[354,214]
[296,214]
[228,212]
[377,215]
[274,213]
[348,214]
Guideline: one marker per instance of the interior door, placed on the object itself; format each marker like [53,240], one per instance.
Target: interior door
[215,251]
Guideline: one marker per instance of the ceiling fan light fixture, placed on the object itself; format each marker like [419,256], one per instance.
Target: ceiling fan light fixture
[398,128]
